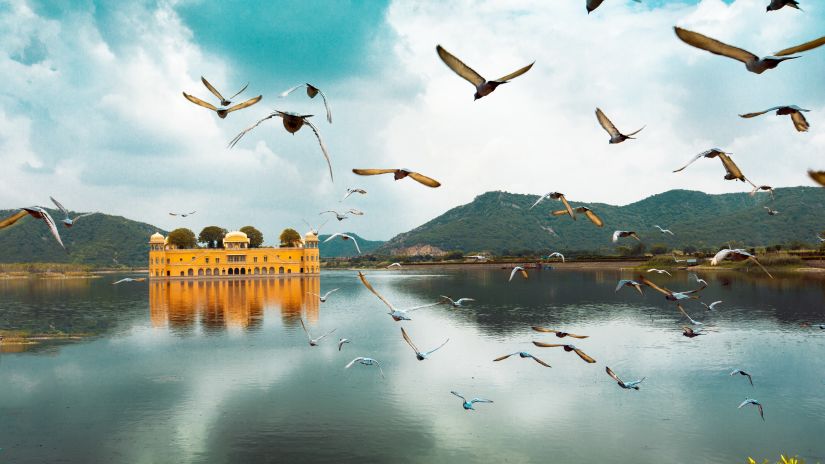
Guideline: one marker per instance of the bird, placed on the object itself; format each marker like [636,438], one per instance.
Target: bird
[558,333]
[817,176]
[810,45]
[755,403]
[129,279]
[660,271]
[293,122]
[315,231]
[733,171]
[517,269]
[355,212]
[482,85]
[799,121]
[557,196]
[68,222]
[469,404]
[567,348]
[591,5]
[222,112]
[684,313]
[556,253]
[752,62]
[477,257]
[690,333]
[820,238]
[312,91]
[326,295]
[457,303]
[615,135]
[340,217]
[778,4]
[183,214]
[313,341]
[771,212]
[397,314]
[366,362]
[736,255]
[394,264]
[664,231]
[596,220]
[624,233]
[523,354]
[630,283]
[341,342]
[399,174]
[741,372]
[669,294]
[419,354]
[37,212]
[350,191]
[344,237]
[214,91]
[712,306]
[626,385]
[761,188]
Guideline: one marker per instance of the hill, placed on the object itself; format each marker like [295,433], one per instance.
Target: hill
[503,223]
[95,240]
[344,248]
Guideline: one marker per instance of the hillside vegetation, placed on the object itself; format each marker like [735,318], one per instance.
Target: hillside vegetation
[339,248]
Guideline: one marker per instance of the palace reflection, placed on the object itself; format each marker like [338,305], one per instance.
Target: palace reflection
[218,304]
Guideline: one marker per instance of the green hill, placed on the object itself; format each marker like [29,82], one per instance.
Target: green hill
[502,223]
[95,240]
[339,248]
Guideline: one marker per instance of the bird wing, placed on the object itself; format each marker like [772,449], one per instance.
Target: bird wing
[750,379]
[355,242]
[547,345]
[336,234]
[480,400]
[458,395]
[714,304]
[373,172]
[289,91]
[331,291]
[606,124]
[239,91]
[584,356]
[212,89]
[799,121]
[502,358]
[314,294]
[83,215]
[692,160]
[634,235]
[322,336]
[761,411]
[436,348]
[326,106]
[542,329]
[616,235]
[747,401]
[244,132]
[578,336]
[13,218]
[369,287]
[512,273]
[817,176]
[541,197]
[563,212]
[199,102]
[622,284]
[409,340]
[540,361]
[309,337]
[567,206]
[422,179]
[635,132]
[596,220]
[751,258]
[461,300]
[459,67]
[758,113]
[428,305]
[801,48]
[47,218]
[613,375]
[323,147]
[643,280]
[245,104]
[515,74]
[353,362]
[120,281]
[731,167]
[60,207]
[714,46]
[682,310]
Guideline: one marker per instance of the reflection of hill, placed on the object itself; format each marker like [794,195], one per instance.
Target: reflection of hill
[217,304]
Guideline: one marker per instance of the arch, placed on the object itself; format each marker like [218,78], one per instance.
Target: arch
[168,273]
[231,271]
[200,272]
[216,272]
[190,272]
[257,270]
[243,271]
[272,270]
[289,271]
[302,270]
[208,272]
[223,271]
[181,273]
[281,270]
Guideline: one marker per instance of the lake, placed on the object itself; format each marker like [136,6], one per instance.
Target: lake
[221,372]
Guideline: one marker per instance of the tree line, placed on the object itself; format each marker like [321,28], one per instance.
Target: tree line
[212,237]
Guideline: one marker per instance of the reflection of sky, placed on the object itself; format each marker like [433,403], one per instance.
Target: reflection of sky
[162,394]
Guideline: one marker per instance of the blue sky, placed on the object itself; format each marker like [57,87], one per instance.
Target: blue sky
[92,111]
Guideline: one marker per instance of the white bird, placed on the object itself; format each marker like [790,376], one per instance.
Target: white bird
[591,5]
[129,279]
[630,283]
[517,269]
[68,222]
[356,212]
[684,313]
[752,62]
[469,404]
[626,385]
[312,91]
[736,255]
[482,85]
[366,362]
[338,215]
[484,258]
[344,237]
[664,231]
[615,135]
[743,373]
[556,253]
[324,297]
[313,341]
[183,214]
[778,4]
[394,264]
[755,403]
[799,121]
[36,212]
[624,233]
[341,342]
[771,212]
[711,306]
[762,188]
[457,303]
[820,238]
[313,230]
[350,191]
[523,355]
[419,354]
[660,271]
[697,279]
[397,314]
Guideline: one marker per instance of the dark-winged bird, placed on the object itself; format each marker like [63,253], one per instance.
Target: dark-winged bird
[482,85]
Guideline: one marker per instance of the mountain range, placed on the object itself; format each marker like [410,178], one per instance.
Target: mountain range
[339,248]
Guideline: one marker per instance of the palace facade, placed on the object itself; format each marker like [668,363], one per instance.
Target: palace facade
[235,259]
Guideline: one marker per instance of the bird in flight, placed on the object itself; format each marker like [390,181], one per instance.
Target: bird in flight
[669,294]
[482,85]
[366,362]
[630,283]
[518,269]
[690,333]
[557,196]
[556,254]
[778,4]
[626,385]
[567,348]
[323,298]
[817,176]
[558,333]
[183,214]
[355,212]
[660,271]
[799,121]
[615,135]
[129,279]
[771,212]
[736,255]
[68,222]
[344,237]
[755,403]
[399,174]
[712,306]
[222,112]
[312,91]
[394,264]
[596,220]
[36,212]
[523,355]
[733,171]
[684,313]
[350,191]
[664,231]
[593,4]
[624,233]
[477,257]
[457,303]
[314,230]
[761,188]
[469,404]
[293,122]
[313,341]
[743,373]
[397,314]
[340,217]
[419,354]
[341,342]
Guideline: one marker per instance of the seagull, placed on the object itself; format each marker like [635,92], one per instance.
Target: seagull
[36,212]
[615,135]
[350,191]
[596,220]
[624,233]
[312,91]
[684,313]
[557,332]
[314,230]
[752,62]
[755,403]
[660,271]
[129,279]
[626,385]
[561,198]
[400,174]
[469,404]
[630,283]
[517,269]
[733,171]
[799,121]
[341,342]
[690,333]
[313,341]
[394,264]
[325,295]
[522,354]
[338,215]
[697,279]
[484,258]
[593,4]
[344,237]
[418,354]
[556,253]
[669,294]
[293,122]
[736,255]
[567,348]
[366,362]
[68,222]
[771,212]
[397,314]
[183,214]
[820,238]
[482,85]
[763,188]
[741,372]
[664,231]
[457,303]
[778,4]
[711,306]
[817,176]
[355,212]
[222,112]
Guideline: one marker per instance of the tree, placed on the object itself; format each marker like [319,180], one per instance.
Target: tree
[182,238]
[256,238]
[658,248]
[212,236]
[290,238]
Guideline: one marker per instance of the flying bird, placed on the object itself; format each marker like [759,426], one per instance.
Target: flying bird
[340,217]
[183,214]
[482,85]
[556,254]
[761,188]
[397,314]
[313,341]
[315,231]
[312,91]
[799,121]
[293,122]
[817,176]
[755,403]
[366,362]
[733,171]
[743,373]
[399,174]
[477,257]
[567,348]
[626,385]
[596,220]
[214,91]
[802,48]
[523,355]
[711,306]
[341,342]
[778,4]
[684,313]
[669,294]
[690,333]
[664,231]
[350,191]
[630,283]
[518,269]
[752,62]
[419,354]
[68,222]
[222,112]
[593,4]
[36,212]
[469,404]
[457,303]
[558,333]
[771,212]
[736,256]
[660,271]
[615,135]
[557,196]
[355,212]
[394,264]
[624,233]
[129,279]
[344,237]
[326,295]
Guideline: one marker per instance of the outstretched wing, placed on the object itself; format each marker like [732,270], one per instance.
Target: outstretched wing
[199,102]
[290,90]
[542,329]
[458,395]
[567,207]
[515,74]
[596,220]
[692,160]
[369,287]
[459,67]
[245,104]
[714,46]
[606,124]
[47,218]
[584,356]
[323,147]
[409,340]
[540,361]
[799,121]
[213,89]
[330,292]
[758,113]
[83,215]
[436,348]
[749,259]
[13,218]
[502,358]
[353,362]
[611,374]
[644,281]
[817,176]
[322,336]
[326,106]
[59,206]
[244,132]
[801,48]
[422,179]
[547,345]
[305,330]
[733,170]
[357,248]
[239,91]
[373,172]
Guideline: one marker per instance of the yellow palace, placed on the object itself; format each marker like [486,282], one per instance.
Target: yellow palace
[234,259]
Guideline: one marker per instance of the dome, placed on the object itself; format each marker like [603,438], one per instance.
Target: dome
[235,236]
[310,237]
[157,238]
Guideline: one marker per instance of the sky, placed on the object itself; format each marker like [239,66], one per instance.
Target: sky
[91,110]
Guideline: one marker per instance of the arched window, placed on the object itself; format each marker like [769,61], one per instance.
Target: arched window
[272,270]
[200,272]
[281,270]
[216,272]
[190,272]
[223,271]
[231,271]
[181,273]
[257,270]
[243,271]
[209,272]
[289,271]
